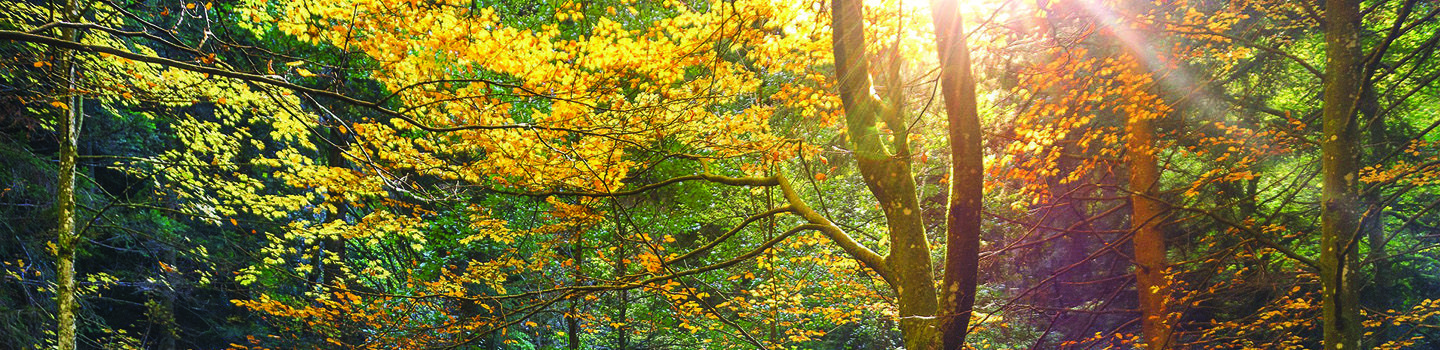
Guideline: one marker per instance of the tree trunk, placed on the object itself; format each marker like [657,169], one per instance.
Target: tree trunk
[572,318]
[333,260]
[1149,240]
[622,300]
[163,315]
[962,217]
[1340,214]
[1373,221]
[888,176]
[66,237]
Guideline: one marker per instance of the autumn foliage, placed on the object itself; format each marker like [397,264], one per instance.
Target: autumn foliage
[624,174]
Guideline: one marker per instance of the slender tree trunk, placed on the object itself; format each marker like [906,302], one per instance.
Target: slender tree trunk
[572,318]
[66,237]
[888,176]
[164,317]
[1373,222]
[1149,240]
[622,333]
[333,261]
[1340,211]
[962,217]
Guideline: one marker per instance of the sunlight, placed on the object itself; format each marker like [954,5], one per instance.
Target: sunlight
[968,8]
[1173,77]
[710,175]
[917,4]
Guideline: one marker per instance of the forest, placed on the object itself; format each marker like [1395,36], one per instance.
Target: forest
[719,174]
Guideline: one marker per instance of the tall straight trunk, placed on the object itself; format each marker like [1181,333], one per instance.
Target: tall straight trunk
[66,237]
[333,261]
[622,300]
[1339,205]
[164,318]
[1373,221]
[962,217]
[887,175]
[1149,240]
[572,318]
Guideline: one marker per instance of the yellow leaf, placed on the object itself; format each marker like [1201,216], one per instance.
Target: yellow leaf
[190,6]
[59,104]
[304,72]
[39,64]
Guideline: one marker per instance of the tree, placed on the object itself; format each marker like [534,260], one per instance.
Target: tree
[494,174]
[104,194]
[67,236]
[1146,215]
[962,218]
[1340,218]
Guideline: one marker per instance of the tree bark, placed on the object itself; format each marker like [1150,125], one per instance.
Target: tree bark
[572,318]
[887,175]
[1372,223]
[66,237]
[962,217]
[1149,240]
[332,264]
[622,300]
[1340,212]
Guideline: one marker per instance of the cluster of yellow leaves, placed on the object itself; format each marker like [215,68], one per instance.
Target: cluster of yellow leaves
[1423,170]
[623,83]
[1204,27]
[574,106]
[1234,151]
[1282,323]
[294,250]
[1111,340]
[1425,312]
[448,298]
[1065,94]
[210,147]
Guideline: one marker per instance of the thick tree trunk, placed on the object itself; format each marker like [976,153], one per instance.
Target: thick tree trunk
[1340,211]
[1149,240]
[888,176]
[66,237]
[962,217]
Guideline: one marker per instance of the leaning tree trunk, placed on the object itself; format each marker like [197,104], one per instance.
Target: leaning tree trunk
[1149,240]
[1339,205]
[887,174]
[962,217]
[67,237]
